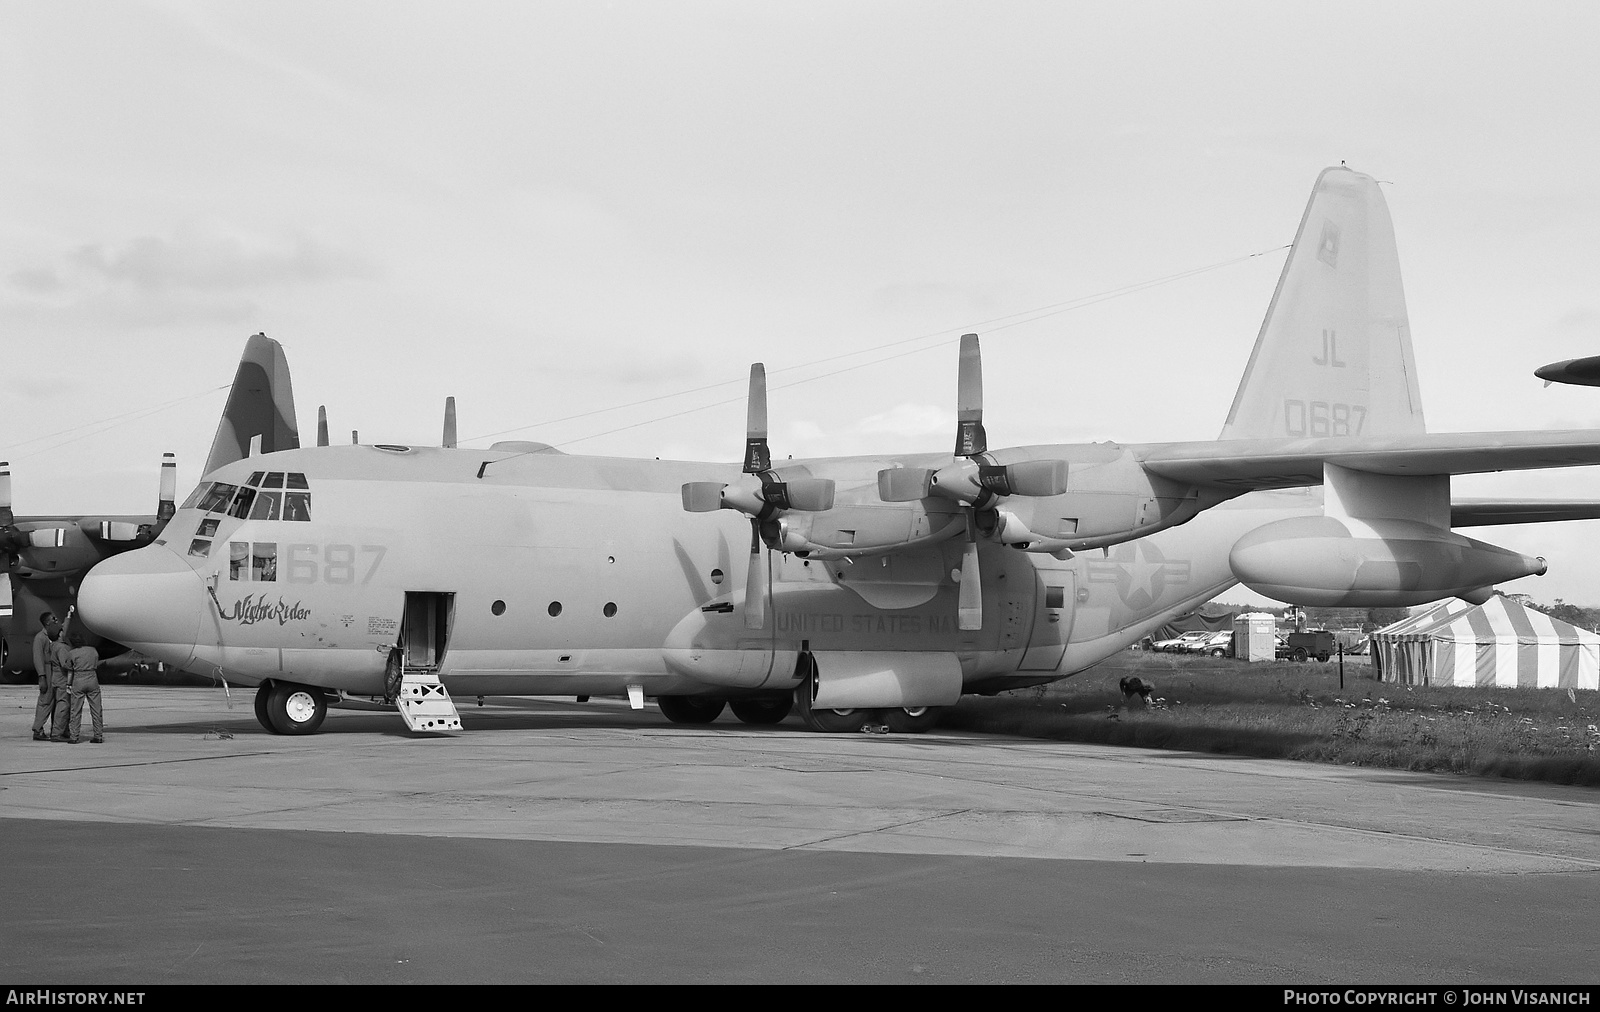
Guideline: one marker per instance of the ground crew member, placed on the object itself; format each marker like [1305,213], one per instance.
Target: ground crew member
[52,681]
[80,660]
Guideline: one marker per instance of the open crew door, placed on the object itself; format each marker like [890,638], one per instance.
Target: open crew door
[424,702]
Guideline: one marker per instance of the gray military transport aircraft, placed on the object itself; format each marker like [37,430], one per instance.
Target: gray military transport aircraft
[856,590]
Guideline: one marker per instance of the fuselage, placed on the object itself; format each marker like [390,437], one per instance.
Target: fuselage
[547,573]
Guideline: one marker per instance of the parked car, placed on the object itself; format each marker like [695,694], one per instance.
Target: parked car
[1180,644]
[1217,644]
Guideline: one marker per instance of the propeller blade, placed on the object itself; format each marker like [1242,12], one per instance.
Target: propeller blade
[167,501]
[970,437]
[969,613]
[322,425]
[1030,477]
[6,517]
[355,437]
[757,457]
[809,495]
[449,423]
[702,496]
[47,537]
[755,581]
[118,530]
[905,484]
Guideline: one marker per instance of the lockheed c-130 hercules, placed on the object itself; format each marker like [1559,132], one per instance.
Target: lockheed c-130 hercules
[856,590]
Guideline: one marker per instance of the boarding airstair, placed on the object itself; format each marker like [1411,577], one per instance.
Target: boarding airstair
[425,703]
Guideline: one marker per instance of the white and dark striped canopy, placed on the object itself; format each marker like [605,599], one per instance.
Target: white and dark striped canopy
[1499,643]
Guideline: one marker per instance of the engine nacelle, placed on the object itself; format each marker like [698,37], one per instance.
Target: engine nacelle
[1331,562]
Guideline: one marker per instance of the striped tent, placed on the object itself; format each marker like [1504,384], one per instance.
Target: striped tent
[1497,643]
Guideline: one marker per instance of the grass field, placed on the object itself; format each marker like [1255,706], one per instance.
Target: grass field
[1284,710]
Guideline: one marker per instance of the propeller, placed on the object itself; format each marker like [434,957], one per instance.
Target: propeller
[762,501]
[167,497]
[972,482]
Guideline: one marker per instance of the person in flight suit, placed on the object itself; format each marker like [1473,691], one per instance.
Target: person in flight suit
[52,681]
[80,660]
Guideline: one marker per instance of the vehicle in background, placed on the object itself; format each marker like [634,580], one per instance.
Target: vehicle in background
[1217,644]
[1299,646]
[1181,644]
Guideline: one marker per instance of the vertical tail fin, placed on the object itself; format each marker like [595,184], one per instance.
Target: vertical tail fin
[261,403]
[1334,354]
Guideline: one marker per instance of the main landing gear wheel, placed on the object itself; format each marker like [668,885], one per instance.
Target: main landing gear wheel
[262,693]
[295,709]
[912,720]
[690,709]
[829,721]
[762,711]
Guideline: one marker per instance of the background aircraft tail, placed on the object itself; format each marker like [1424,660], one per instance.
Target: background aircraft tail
[261,403]
[1334,354]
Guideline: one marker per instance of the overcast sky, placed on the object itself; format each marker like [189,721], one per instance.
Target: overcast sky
[547,209]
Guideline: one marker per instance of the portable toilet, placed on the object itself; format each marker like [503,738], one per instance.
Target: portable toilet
[1255,636]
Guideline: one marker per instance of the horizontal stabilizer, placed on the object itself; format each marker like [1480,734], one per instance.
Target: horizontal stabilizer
[1244,465]
[1492,512]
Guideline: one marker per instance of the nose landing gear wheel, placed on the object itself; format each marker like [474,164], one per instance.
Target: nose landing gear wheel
[295,709]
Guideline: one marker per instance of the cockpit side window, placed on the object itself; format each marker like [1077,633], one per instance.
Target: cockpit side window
[195,496]
[217,497]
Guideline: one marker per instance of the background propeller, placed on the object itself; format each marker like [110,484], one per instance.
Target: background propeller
[971,481]
[763,500]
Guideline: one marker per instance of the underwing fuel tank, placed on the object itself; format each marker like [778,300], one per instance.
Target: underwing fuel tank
[1332,562]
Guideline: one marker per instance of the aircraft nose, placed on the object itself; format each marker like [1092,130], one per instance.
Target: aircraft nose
[147,599]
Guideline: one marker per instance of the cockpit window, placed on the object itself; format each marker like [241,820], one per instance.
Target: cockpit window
[242,502]
[274,480]
[217,497]
[194,497]
[255,478]
[297,480]
[266,506]
[297,506]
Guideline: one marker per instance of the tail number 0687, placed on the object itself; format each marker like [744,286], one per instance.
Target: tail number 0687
[337,564]
[1323,418]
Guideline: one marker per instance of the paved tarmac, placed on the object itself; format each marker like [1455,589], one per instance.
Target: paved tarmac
[563,842]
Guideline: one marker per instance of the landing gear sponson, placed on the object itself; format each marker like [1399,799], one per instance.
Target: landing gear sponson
[772,710]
